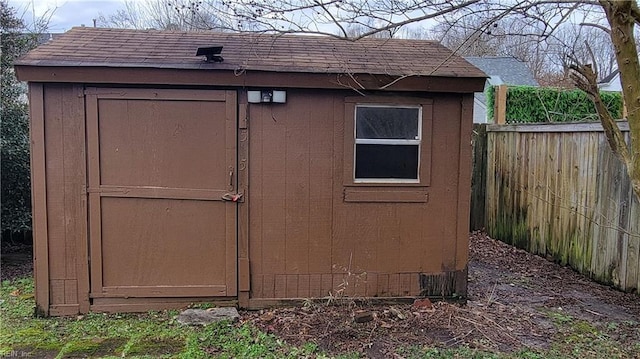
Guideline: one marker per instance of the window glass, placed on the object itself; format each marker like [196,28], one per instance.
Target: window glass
[387,122]
[387,143]
[387,161]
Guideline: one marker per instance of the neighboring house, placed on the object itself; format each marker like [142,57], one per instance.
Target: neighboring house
[500,70]
[46,37]
[611,82]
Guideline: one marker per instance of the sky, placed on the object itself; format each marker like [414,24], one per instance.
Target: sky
[65,13]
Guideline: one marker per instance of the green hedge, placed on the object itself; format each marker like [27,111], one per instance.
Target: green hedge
[527,104]
[14,132]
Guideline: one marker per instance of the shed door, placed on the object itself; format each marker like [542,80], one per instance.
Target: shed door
[159,164]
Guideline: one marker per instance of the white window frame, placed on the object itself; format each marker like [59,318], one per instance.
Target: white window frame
[383,141]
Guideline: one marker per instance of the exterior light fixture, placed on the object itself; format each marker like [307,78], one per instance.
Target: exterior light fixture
[279,96]
[266,96]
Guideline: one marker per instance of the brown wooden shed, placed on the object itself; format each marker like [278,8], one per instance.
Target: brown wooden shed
[299,167]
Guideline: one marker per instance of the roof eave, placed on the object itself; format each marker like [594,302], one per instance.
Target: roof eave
[199,77]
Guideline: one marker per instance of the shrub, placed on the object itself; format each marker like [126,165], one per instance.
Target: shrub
[527,104]
[14,132]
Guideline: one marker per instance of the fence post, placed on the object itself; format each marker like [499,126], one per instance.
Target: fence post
[500,105]
[478,177]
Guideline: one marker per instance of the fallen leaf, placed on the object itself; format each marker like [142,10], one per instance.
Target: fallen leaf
[267,317]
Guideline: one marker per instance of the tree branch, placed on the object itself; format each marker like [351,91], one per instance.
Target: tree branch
[586,80]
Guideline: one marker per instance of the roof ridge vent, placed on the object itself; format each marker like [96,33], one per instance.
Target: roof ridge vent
[211,53]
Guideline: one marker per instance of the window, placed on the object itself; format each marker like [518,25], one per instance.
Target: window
[387,144]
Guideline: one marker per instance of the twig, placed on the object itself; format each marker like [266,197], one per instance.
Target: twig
[489,300]
[592,312]
[470,321]
[458,338]
[371,332]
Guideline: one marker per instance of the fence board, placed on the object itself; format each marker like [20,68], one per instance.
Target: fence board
[478,176]
[565,195]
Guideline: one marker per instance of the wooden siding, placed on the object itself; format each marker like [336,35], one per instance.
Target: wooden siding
[314,233]
[60,206]
[305,229]
[558,190]
[290,198]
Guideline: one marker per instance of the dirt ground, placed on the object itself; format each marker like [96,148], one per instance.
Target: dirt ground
[16,261]
[515,301]
[514,298]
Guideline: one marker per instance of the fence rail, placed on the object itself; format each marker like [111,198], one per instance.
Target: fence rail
[558,190]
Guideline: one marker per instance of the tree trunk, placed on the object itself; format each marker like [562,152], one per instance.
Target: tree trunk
[621,16]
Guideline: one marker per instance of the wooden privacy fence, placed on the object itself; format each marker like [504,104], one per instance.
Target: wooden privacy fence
[558,190]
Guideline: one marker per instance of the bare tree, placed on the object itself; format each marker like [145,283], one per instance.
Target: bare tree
[499,38]
[545,56]
[464,37]
[131,17]
[622,17]
[168,15]
[585,44]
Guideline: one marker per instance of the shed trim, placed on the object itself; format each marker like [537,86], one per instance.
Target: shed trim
[244,264]
[425,160]
[39,198]
[464,181]
[386,195]
[93,180]
[179,77]
[143,94]
[82,271]
[157,192]
[152,291]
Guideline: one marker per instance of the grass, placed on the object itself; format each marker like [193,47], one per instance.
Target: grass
[149,335]
[581,339]
[158,335]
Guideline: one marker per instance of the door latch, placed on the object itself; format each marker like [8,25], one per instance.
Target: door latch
[233,197]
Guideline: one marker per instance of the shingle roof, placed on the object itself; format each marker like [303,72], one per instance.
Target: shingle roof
[510,70]
[97,47]
[609,77]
